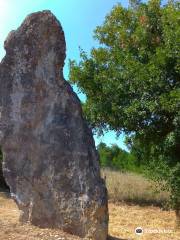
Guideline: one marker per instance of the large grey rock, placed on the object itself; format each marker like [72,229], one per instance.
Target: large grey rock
[50,161]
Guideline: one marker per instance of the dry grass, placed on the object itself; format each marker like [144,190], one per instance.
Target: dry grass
[132,188]
[123,220]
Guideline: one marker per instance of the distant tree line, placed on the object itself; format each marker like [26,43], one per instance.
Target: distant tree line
[118,159]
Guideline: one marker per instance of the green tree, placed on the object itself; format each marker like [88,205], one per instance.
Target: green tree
[105,155]
[117,158]
[132,82]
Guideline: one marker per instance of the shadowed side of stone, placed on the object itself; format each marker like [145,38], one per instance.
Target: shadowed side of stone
[50,161]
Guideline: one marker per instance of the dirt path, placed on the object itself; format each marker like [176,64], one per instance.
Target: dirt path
[123,220]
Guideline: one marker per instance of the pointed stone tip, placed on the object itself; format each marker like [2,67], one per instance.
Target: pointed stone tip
[39,31]
[41,14]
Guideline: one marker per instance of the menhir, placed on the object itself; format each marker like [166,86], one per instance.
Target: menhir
[50,161]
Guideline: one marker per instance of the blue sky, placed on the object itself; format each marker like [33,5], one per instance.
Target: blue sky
[78,18]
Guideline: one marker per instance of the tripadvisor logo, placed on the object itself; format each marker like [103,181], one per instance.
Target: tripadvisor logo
[139,231]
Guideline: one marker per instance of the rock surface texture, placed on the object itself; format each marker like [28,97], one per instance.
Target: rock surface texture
[50,161]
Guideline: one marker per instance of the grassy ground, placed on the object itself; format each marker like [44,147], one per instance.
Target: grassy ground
[133,188]
[133,202]
[157,224]
[123,220]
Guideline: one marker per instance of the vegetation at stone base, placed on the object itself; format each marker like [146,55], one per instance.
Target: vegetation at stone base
[3,184]
[132,84]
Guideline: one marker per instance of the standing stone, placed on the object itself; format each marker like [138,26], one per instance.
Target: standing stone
[50,161]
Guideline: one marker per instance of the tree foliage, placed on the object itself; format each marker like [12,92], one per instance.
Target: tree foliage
[131,81]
